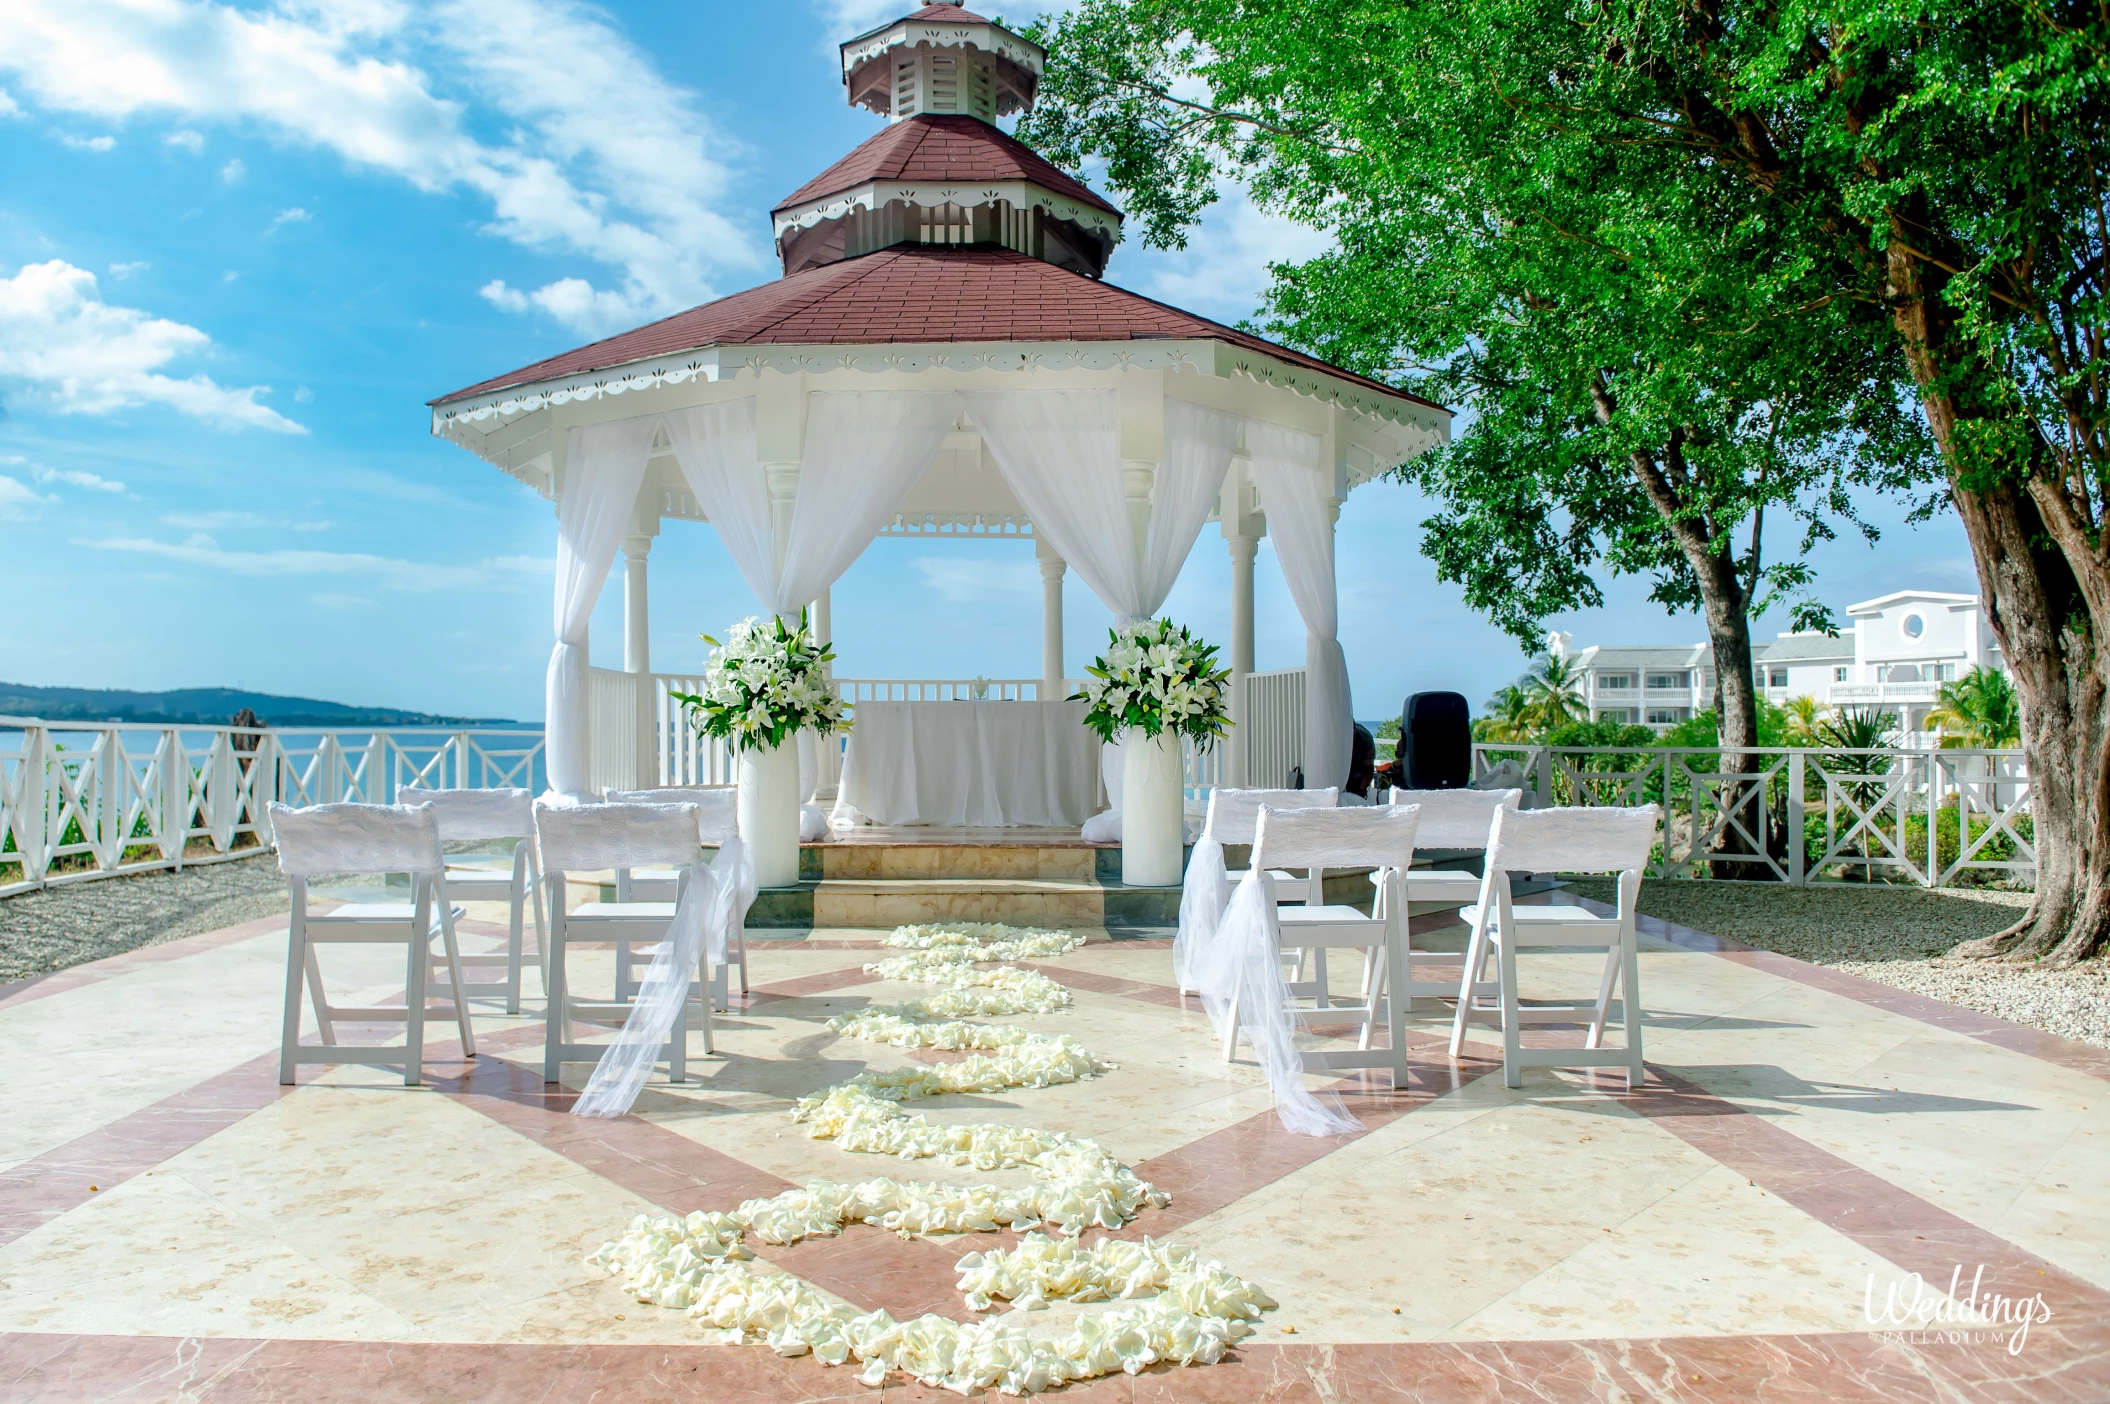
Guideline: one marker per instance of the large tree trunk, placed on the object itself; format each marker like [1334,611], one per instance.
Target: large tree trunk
[2040,614]
[1727,611]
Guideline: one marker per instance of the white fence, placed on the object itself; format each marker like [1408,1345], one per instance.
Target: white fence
[81,801]
[1923,815]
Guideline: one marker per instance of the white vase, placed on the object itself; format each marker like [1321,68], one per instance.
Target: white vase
[1153,822]
[769,813]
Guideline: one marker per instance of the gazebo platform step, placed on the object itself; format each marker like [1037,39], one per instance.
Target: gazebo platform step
[903,901]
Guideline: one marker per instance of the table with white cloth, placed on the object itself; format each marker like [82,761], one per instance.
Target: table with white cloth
[970,765]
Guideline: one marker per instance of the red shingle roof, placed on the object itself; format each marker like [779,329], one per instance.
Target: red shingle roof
[913,293]
[948,12]
[942,148]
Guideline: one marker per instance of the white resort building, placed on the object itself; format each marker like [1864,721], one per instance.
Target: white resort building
[1896,654]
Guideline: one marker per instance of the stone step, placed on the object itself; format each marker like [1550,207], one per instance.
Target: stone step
[1074,861]
[903,901]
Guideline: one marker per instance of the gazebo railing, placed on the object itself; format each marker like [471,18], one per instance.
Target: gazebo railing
[1924,815]
[81,800]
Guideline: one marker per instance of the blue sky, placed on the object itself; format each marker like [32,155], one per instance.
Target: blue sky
[240,245]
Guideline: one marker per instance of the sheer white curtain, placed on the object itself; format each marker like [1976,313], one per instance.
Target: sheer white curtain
[604,464]
[863,451]
[1286,465]
[1198,447]
[1060,452]
[715,445]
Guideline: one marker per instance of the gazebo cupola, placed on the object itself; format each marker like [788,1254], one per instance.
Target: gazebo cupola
[942,173]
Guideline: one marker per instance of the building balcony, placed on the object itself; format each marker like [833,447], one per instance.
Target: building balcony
[1851,694]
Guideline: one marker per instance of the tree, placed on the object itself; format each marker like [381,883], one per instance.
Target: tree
[1646,375]
[1936,169]
[1510,717]
[1554,691]
[1977,712]
[1800,719]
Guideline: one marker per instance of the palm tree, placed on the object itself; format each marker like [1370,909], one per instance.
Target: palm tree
[1801,718]
[1554,687]
[1509,717]
[1978,712]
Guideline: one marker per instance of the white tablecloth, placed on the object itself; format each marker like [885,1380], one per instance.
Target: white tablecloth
[970,764]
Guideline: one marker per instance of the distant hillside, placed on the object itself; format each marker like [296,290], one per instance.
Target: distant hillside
[206,706]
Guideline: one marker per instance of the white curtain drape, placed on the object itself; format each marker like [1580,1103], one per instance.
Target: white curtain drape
[1199,444]
[604,464]
[1287,467]
[863,451]
[1060,452]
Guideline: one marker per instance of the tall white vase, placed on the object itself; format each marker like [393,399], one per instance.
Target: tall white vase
[769,813]
[1153,826]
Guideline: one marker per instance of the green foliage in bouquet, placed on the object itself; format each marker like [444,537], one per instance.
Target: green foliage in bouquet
[764,685]
[1157,676]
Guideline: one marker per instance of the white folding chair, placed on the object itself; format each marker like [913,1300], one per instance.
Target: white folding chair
[718,819]
[1450,819]
[1233,815]
[594,837]
[1380,837]
[1581,840]
[367,840]
[476,816]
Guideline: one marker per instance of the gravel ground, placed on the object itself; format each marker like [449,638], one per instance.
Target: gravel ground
[1900,936]
[84,921]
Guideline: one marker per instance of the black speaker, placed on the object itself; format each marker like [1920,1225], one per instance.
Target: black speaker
[1436,741]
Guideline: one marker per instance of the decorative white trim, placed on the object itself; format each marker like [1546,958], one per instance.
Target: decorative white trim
[987,37]
[1419,426]
[1019,194]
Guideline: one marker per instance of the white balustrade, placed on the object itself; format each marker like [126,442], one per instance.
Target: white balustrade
[1798,815]
[80,800]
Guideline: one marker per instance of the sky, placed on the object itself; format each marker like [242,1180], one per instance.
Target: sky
[241,245]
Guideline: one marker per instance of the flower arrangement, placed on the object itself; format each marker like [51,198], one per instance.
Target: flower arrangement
[766,683]
[1157,676]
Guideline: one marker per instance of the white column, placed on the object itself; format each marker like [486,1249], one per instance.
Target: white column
[827,752]
[1052,567]
[637,620]
[1242,526]
[823,620]
[1243,550]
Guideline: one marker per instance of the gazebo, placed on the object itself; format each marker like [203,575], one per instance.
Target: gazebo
[940,358]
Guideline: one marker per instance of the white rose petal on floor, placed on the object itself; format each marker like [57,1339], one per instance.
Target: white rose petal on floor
[1178,1307]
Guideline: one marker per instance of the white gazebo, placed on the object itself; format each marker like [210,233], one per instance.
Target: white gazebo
[940,358]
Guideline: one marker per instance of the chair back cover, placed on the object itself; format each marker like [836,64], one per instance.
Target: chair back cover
[1456,818]
[583,837]
[1587,839]
[718,817]
[1233,813]
[1376,836]
[476,814]
[356,838]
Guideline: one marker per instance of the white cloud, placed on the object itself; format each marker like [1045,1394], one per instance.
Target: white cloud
[76,477]
[8,108]
[81,355]
[302,395]
[126,270]
[600,157]
[295,215]
[1224,268]
[331,600]
[215,521]
[95,143]
[233,171]
[382,572]
[186,140]
[964,579]
[18,501]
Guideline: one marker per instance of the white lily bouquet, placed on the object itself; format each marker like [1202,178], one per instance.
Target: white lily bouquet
[1157,676]
[764,685]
